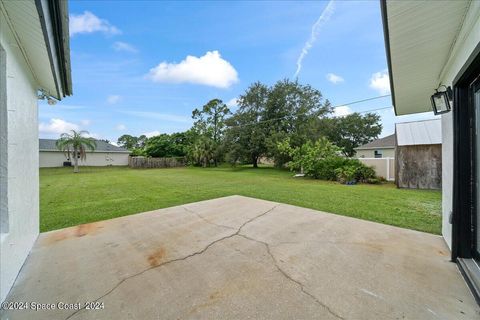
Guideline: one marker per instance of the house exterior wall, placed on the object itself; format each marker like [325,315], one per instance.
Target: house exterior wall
[50,159]
[370,153]
[19,160]
[468,39]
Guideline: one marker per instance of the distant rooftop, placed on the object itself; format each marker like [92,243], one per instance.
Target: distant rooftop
[102,146]
[419,132]
[385,142]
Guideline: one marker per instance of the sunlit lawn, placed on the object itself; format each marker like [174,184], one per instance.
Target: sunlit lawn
[99,193]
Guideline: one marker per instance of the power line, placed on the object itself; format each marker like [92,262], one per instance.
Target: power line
[384,108]
[359,101]
[340,105]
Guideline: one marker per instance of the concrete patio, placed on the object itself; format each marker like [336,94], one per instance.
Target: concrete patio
[239,258]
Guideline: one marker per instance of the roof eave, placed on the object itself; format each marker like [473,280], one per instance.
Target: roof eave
[375,148]
[54,21]
[383,8]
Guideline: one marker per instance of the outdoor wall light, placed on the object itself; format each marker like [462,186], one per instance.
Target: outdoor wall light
[441,100]
[43,95]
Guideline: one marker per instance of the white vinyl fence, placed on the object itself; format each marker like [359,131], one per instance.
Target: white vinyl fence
[384,167]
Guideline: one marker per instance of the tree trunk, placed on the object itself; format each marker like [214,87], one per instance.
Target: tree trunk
[255,162]
[75,161]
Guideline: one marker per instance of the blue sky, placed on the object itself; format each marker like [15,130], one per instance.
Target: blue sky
[142,67]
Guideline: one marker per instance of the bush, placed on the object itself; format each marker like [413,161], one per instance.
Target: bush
[374,181]
[137,152]
[321,160]
[354,170]
[346,174]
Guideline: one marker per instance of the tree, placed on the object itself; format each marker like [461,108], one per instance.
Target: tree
[351,131]
[291,110]
[202,151]
[268,115]
[210,124]
[77,144]
[127,141]
[246,136]
[165,145]
[131,142]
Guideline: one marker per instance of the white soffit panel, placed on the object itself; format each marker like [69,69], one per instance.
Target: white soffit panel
[421,37]
[25,20]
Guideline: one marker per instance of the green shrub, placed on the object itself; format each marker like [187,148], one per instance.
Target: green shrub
[137,152]
[321,160]
[373,181]
[346,174]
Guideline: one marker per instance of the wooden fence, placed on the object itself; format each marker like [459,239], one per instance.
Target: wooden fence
[144,162]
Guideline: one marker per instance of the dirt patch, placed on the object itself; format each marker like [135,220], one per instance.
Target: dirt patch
[156,257]
[73,232]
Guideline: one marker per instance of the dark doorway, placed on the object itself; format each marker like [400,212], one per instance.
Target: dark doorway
[466,174]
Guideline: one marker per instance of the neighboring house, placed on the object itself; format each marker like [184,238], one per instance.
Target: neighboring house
[444,52]
[380,148]
[379,154]
[419,154]
[105,154]
[34,55]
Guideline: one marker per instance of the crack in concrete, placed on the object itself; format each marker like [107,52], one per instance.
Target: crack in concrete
[286,275]
[236,233]
[207,220]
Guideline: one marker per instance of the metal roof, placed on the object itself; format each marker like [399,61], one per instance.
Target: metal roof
[102,146]
[419,132]
[419,37]
[385,142]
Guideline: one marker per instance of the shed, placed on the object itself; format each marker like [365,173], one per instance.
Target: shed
[419,154]
[106,154]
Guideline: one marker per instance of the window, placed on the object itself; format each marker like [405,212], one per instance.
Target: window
[378,153]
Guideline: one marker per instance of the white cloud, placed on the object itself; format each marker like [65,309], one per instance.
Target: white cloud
[334,78]
[210,69]
[123,46]
[121,127]
[57,126]
[232,103]
[380,81]
[85,122]
[89,23]
[317,26]
[113,99]
[94,136]
[342,111]
[151,134]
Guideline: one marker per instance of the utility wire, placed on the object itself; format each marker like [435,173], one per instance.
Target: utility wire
[359,101]
[340,105]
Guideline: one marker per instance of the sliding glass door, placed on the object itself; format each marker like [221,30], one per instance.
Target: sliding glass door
[474,93]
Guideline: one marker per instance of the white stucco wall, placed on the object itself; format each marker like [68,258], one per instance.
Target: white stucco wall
[467,40]
[50,159]
[19,174]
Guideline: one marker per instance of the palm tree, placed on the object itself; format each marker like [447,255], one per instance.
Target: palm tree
[77,144]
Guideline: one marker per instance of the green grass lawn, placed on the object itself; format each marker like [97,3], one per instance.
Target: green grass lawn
[99,193]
